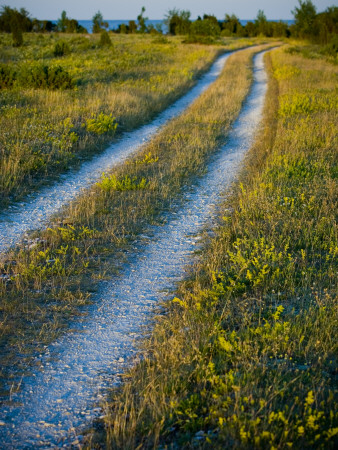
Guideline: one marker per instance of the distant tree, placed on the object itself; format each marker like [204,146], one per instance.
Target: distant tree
[305,16]
[123,29]
[280,29]
[261,23]
[142,21]
[62,22]
[326,25]
[72,26]
[206,27]
[66,25]
[212,19]
[98,23]
[152,30]
[250,29]
[232,25]
[132,26]
[46,26]
[178,21]
[11,18]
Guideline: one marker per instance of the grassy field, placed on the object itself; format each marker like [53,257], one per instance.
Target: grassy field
[64,97]
[52,276]
[246,354]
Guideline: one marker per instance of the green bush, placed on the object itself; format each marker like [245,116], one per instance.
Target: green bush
[104,39]
[61,48]
[45,77]
[331,49]
[59,78]
[205,27]
[7,76]
[196,39]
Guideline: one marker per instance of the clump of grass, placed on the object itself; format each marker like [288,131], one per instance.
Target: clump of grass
[7,76]
[61,48]
[245,356]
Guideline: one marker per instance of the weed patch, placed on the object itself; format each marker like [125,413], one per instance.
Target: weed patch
[112,183]
[100,124]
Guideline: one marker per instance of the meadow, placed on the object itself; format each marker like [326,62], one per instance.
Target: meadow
[245,354]
[63,98]
[51,277]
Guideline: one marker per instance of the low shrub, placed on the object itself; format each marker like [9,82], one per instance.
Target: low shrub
[331,49]
[197,39]
[45,77]
[59,78]
[105,39]
[61,48]
[7,76]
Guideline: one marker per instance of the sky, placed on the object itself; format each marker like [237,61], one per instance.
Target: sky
[156,9]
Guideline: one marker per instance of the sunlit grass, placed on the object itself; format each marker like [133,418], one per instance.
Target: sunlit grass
[132,81]
[246,355]
[51,276]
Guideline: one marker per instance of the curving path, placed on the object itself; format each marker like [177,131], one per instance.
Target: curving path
[35,212]
[59,399]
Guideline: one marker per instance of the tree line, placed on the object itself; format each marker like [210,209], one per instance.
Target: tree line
[318,27]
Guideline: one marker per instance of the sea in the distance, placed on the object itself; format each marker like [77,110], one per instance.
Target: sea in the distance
[114,24]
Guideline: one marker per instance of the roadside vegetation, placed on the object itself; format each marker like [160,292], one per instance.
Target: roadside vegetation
[50,277]
[62,97]
[245,355]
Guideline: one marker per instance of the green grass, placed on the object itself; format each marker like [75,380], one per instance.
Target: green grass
[246,354]
[48,107]
[53,275]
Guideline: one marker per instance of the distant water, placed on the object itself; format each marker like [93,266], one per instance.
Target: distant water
[114,24]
